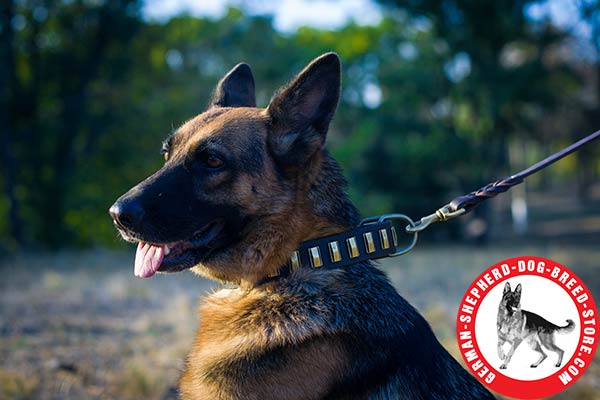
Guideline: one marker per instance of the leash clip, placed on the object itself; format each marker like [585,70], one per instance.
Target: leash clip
[404,218]
[443,214]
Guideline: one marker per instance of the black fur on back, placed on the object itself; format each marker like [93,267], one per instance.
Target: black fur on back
[394,353]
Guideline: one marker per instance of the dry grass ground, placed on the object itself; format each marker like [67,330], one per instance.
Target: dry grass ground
[80,326]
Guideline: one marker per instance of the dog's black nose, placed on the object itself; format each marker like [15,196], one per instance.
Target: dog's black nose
[127,213]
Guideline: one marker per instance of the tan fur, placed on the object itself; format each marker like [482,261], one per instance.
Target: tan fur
[234,327]
[299,381]
[286,218]
[286,215]
[244,187]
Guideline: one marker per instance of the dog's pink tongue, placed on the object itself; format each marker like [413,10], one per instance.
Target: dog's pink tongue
[147,259]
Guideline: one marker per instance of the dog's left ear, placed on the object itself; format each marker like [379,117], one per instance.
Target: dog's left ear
[518,290]
[236,89]
[300,112]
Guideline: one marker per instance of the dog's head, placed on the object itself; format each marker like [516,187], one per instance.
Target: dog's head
[232,198]
[511,300]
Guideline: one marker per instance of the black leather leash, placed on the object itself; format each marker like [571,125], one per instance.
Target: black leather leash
[376,237]
[463,204]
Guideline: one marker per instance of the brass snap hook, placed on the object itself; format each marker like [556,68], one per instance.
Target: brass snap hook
[443,214]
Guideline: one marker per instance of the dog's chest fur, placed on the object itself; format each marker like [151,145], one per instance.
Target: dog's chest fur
[510,325]
[263,343]
[343,334]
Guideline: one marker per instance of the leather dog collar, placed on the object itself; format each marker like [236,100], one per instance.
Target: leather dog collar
[368,241]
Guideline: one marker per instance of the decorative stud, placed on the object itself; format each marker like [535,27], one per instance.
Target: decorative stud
[295,260]
[315,257]
[352,247]
[369,243]
[274,274]
[394,237]
[334,251]
[385,242]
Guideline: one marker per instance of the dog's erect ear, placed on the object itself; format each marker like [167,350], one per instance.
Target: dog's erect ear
[506,288]
[236,89]
[301,111]
[518,292]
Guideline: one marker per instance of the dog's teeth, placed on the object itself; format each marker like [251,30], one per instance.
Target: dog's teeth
[167,250]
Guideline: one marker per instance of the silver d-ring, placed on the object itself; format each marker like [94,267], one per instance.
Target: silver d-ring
[411,223]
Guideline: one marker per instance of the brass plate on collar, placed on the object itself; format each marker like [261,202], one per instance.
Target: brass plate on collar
[369,243]
[273,274]
[394,237]
[334,251]
[385,242]
[295,260]
[315,257]
[352,247]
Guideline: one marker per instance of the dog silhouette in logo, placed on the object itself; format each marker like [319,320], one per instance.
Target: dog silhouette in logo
[515,325]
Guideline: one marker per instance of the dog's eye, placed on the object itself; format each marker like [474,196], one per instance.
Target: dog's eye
[214,162]
[211,160]
[165,151]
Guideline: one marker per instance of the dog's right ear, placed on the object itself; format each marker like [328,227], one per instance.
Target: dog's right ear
[236,89]
[506,288]
[300,113]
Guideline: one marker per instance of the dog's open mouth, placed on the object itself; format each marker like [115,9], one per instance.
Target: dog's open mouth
[176,256]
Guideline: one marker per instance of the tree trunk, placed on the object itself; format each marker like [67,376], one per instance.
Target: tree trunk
[518,198]
[73,120]
[8,95]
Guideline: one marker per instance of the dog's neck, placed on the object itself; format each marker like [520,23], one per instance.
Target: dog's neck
[322,208]
[328,201]
[506,310]
[325,216]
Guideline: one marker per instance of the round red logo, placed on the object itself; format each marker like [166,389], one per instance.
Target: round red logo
[527,327]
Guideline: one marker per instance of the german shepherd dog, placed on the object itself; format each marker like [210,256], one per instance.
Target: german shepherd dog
[515,325]
[240,189]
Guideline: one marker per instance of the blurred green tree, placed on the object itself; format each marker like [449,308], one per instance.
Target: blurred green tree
[432,97]
[589,158]
[60,62]
[499,75]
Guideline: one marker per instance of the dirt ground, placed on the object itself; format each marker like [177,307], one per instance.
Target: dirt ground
[80,326]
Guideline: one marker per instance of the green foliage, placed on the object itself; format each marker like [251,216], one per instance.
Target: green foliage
[88,90]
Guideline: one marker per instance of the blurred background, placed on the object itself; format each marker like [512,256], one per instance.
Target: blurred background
[439,97]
